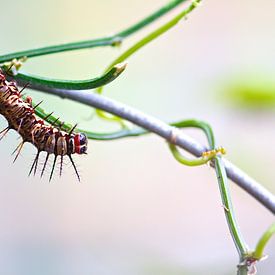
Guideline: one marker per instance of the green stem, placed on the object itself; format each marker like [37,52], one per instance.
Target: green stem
[108,77]
[144,41]
[205,127]
[228,209]
[223,186]
[242,270]
[259,250]
[105,41]
[151,18]
[151,36]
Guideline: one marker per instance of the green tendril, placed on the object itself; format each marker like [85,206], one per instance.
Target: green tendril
[188,161]
[222,181]
[259,250]
[138,45]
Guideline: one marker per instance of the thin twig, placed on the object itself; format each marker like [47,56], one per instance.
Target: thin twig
[169,133]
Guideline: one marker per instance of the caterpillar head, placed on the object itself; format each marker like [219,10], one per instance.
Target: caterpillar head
[80,143]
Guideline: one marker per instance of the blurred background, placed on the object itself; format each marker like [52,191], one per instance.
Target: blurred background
[138,211]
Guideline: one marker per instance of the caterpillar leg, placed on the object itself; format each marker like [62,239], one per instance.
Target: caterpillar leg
[44,166]
[54,162]
[18,150]
[71,159]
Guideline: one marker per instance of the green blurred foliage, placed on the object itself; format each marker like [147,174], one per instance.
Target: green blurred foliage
[251,92]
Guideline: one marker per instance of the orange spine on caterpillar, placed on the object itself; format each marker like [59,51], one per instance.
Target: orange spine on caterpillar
[21,117]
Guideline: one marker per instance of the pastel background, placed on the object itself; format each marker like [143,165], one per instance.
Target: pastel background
[137,211]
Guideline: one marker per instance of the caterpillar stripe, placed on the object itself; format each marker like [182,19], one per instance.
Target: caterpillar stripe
[21,117]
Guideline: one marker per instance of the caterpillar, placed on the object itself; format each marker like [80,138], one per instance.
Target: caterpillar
[21,117]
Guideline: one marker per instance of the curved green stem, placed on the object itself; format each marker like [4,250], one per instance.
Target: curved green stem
[151,36]
[144,41]
[205,127]
[108,77]
[259,250]
[188,161]
[223,186]
[105,41]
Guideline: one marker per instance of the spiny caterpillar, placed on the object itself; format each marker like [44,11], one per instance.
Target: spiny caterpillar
[21,117]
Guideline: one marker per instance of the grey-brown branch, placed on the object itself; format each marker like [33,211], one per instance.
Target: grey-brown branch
[171,134]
